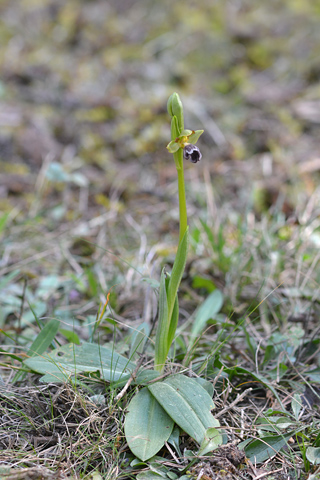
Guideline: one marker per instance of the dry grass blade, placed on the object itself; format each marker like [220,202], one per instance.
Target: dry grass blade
[60,427]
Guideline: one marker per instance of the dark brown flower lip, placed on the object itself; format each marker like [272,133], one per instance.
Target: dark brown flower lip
[192,153]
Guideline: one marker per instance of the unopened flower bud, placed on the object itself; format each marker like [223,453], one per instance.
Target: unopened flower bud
[175,109]
[174,105]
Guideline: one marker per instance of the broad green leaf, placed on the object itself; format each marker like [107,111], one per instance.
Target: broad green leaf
[172,476]
[187,403]
[157,472]
[48,285]
[317,441]
[143,377]
[72,359]
[177,272]
[147,426]
[44,338]
[161,344]
[261,449]
[296,405]
[274,423]
[313,455]
[57,377]
[202,282]
[314,375]
[70,335]
[206,385]
[211,441]
[149,476]
[136,462]
[156,465]
[207,310]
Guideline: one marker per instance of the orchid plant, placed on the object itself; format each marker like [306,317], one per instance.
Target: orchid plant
[177,399]
[182,147]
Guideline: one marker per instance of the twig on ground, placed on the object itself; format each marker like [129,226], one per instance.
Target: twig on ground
[264,474]
[132,377]
[172,453]
[237,400]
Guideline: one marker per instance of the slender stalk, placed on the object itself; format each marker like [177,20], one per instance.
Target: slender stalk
[175,109]
[182,195]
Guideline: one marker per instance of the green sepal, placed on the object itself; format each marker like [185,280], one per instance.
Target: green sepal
[195,136]
[186,133]
[173,146]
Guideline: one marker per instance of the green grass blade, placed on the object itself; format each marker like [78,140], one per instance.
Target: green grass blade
[44,338]
[138,340]
[210,307]
[3,221]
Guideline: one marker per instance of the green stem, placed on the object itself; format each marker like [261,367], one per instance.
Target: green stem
[178,156]
[175,109]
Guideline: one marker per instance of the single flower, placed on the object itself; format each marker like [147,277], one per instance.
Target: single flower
[187,138]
